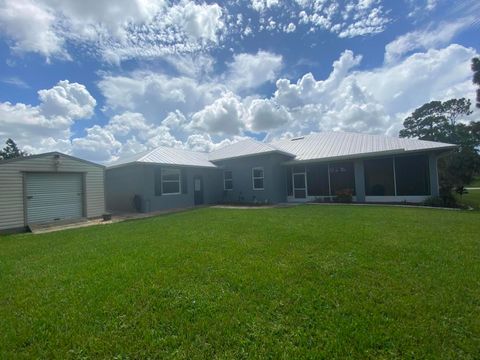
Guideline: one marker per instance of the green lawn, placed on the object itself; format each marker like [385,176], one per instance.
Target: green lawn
[304,282]
[471,199]
[475,183]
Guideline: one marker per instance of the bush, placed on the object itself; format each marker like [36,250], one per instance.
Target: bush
[445,199]
[344,196]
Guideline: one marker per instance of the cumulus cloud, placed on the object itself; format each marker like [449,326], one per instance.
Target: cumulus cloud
[125,134]
[376,100]
[266,115]
[223,116]
[431,37]
[248,71]
[157,94]
[69,100]
[47,126]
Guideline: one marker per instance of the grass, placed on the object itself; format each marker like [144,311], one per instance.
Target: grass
[475,182]
[472,199]
[304,282]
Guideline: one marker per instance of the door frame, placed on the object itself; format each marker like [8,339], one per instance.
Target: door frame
[304,173]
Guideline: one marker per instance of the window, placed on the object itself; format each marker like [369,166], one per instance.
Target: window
[412,175]
[342,177]
[379,179]
[257,178]
[170,181]
[227,180]
[317,180]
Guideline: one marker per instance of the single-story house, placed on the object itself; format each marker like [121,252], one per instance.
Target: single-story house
[49,187]
[374,168]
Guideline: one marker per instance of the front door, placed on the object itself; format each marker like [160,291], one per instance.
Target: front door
[299,181]
[198,190]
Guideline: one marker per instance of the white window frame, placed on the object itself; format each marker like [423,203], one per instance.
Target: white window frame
[258,177]
[225,180]
[179,181]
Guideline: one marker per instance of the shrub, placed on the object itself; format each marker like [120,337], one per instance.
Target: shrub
[445,199]
[344,196]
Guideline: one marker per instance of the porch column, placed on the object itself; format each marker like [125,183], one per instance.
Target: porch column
[433,170]
[359,180]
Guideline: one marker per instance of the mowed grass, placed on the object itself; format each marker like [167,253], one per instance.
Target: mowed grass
[475,182]
[312,281]
[471,199]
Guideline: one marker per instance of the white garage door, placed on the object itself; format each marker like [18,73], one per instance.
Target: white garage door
[53,196]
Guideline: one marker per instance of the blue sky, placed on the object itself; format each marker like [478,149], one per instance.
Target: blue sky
[103,79]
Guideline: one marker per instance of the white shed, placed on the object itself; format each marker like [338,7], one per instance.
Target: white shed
[49,187]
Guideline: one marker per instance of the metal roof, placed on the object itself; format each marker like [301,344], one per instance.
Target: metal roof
[325,145]
[167,156]
[340,144]
[28,157]
[244,148]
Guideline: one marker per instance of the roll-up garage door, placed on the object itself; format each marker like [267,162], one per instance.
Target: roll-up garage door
[53,196]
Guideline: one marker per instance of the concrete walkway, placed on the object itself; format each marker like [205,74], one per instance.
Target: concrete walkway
[116,217]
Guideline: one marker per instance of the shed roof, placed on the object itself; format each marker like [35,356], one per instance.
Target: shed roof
[21,158]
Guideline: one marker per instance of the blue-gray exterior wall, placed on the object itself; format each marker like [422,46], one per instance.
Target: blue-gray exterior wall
[274,187]
[211,189]
[123,183]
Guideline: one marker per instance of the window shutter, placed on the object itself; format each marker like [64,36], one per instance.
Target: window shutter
[183,175]
[158,181]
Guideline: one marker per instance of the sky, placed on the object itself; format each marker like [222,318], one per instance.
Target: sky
[105,79]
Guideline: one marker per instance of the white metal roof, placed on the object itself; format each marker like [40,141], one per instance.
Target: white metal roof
[168,156]
[340,144]
[244,148]
[325,145]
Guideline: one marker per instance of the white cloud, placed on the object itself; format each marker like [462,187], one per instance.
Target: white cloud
[289,28]
[47,126]
[114,31]
[155,94]
[15,81]
[308,91]
[124,134]
[31,27]
[377,100]
[248,71]
[267,115]
[98,145]
[198,21]
[223,116]
[434,72]
[373,22]
[261,5]
[424,39]
[70,100]
[347,19]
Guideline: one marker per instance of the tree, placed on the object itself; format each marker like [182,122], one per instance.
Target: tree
[11,151]
[476,77]
[439,121]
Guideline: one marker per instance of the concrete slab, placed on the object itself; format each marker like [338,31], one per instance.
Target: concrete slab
[116,217]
